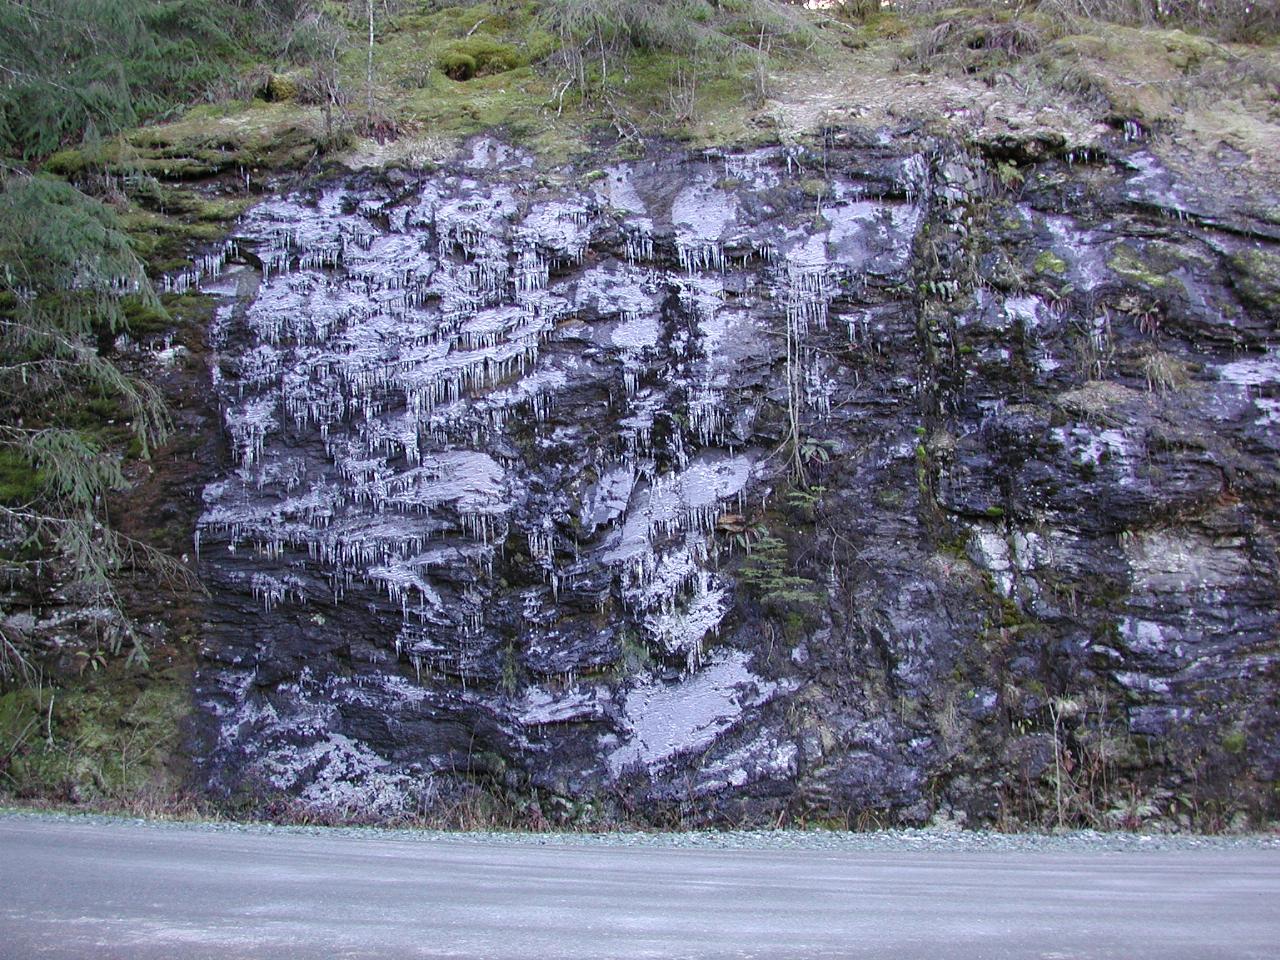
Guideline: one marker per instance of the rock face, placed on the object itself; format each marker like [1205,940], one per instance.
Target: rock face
[847,481]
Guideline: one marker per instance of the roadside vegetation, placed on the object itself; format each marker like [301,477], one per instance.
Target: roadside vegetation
[134,132]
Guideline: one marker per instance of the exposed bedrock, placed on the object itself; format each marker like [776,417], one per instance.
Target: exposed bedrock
[850,481]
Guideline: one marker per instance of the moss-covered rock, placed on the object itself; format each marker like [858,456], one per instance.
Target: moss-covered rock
[1050,262]
[1255,274]
[479,56]
[283,87]
[108,735]
[206,143]
[1149,269]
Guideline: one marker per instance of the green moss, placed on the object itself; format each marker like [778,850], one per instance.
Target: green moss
[1136,73]
[1234,742]
[143,319]
[457,65]
[20,481]
[513,102]
[69,163]
[205,143]
[479,56]
[282,88]
[889,497]
[1127,264]
[540,44]
[1050,262]
[1256,277]
[111,733]
[166,240]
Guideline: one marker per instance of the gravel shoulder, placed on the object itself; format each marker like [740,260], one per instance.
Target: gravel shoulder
[879,841]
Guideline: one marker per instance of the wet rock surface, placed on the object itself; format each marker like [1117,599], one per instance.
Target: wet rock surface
[845,481]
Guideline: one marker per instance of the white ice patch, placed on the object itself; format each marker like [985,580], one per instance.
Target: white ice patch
[540,706]
[341,775]
[1026,311]
[607,499]
[684,628]
[663,720]
[763,757]
[1252,372]
[990,550]
[618,189]
[687,500]
[702,215]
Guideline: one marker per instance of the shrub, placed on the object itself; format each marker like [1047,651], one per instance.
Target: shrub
[66,270]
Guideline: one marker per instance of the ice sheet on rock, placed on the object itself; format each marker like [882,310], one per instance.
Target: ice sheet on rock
[617,188]
[344,775]
[870,236]
[1085,252]
[703,216]
[1027,312]
[249,425]
[663,720]
[389,389]
[1180,561]
[757,168]
[687,500]
[702,211]
[406,583]
[763,757]
[470,480]
[294,233]
[684,627]
[635,334]
[1118,450]
[607,498]
[272,590]
[488,153]
[709,479]
[536,390]
[477,222]
[305,308]
[1152,184]
[1269,412]
[702,297]
[1256,371]
[810,278]
[397,261]
[540,706]
[616,290]
[563,228]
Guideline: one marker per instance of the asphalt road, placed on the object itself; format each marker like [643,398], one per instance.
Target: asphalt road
[120,890]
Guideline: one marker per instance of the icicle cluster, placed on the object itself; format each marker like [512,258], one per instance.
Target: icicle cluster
[398,391]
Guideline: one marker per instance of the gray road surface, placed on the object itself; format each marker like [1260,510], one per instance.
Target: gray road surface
[122,890]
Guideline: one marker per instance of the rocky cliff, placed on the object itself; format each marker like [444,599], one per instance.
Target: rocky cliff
[871,480]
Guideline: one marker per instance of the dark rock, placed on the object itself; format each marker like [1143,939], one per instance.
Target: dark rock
[689,495]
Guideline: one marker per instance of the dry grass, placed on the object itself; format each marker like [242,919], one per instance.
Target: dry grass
[1164,372]
[1235,20]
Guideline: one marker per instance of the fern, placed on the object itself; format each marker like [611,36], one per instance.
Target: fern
[766,574]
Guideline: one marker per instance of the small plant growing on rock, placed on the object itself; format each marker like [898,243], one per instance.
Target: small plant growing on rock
[766,573]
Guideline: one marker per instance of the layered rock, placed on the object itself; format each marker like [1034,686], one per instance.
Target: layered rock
[836,481]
